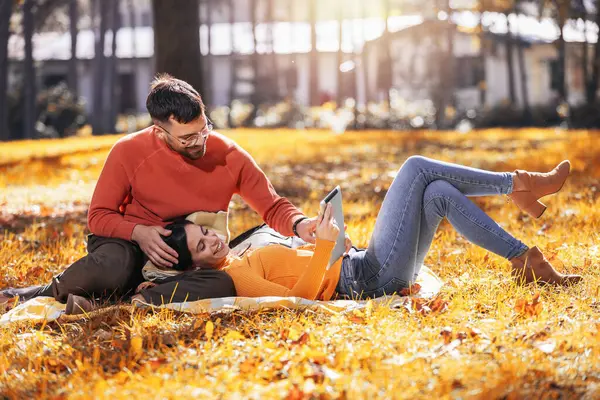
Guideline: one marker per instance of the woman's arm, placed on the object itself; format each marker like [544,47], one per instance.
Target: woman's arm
[250,284]
[309,283]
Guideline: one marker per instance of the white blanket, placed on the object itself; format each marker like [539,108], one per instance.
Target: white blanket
[47,309]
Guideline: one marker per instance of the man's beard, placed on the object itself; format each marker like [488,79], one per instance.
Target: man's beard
[194,154]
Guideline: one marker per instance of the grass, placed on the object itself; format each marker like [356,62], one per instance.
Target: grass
[495,340]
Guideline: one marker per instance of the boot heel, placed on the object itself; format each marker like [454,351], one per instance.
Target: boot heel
[535,209]
[529,203]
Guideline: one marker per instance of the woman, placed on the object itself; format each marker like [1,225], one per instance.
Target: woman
[422,194]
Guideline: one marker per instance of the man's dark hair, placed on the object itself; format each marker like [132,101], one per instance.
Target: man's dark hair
[177,240]
[173,97]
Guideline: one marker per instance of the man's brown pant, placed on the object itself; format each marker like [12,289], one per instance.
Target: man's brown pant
[112,270]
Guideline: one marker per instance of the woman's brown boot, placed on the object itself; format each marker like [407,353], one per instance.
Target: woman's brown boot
[531,186]
[532,266]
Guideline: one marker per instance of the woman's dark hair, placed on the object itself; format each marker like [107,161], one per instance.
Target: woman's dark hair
[177,240]
[169,96]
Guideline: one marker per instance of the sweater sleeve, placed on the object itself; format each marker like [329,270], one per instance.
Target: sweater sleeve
[307,286]
[256,190]
[104,218]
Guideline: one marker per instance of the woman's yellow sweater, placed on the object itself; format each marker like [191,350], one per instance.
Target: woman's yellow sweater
[277,270]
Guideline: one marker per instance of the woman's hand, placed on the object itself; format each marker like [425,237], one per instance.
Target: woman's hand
[327,229]
[348,242]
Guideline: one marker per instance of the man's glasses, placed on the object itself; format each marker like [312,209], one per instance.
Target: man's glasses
[192,139]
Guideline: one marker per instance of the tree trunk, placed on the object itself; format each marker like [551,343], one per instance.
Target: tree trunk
[387,55]
[523,76]
[292,72]
[177,40]
[73,20]
[365,56]
[482,56]
[233,74]
[112,100]
[512,96]
[340,55]
[450,78]
[314,56]
[98,117]
[562,59]
[30,114]
[273,66]
[5,13]
[596,61]
[134,59]
[255,64]
[208,77]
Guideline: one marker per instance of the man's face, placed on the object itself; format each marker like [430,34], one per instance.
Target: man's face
[189,139]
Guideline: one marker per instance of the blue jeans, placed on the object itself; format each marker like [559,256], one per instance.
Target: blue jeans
[422,194]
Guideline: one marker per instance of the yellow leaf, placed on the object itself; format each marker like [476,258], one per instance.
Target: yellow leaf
[209,329]
[234,335]
[369,308]
[136,346]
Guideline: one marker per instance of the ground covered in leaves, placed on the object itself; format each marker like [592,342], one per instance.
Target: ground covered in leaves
[490,339]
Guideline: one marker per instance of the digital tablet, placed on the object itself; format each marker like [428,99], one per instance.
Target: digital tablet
[335,198]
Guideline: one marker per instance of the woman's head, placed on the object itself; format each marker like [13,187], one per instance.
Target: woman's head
[196,245]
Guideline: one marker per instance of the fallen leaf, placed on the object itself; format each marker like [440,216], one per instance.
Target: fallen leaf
[356,319]
[209,329]
[529,308]
[446,333]
[413,289]
[302,339]
[136,346]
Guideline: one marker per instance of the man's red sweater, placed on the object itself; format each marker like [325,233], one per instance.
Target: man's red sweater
[145,182]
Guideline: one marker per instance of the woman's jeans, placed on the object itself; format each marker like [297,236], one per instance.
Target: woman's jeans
[422,194]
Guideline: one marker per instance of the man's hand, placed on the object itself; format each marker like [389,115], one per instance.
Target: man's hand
[149,240]
[306,229]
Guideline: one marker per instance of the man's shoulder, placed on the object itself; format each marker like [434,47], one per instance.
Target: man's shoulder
[225,148]
[139,143]
[222,142]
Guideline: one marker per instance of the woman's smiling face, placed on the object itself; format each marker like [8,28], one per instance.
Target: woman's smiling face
[207,249]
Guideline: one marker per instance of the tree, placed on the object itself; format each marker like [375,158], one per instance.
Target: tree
[29,76]
[523,70]
[255,97]
[587,72]
[208,13]
[482,54]
[560,10]
[314,56]
[134,59]
[593,86]
[340,53]
[273,76]
[177,40]
[5,14]
[365,55]
[111,101]
[73,20]
[509,42]
[233,74]
[99,116]
[387,69]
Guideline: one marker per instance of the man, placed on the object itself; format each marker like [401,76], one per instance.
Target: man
[167,171]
